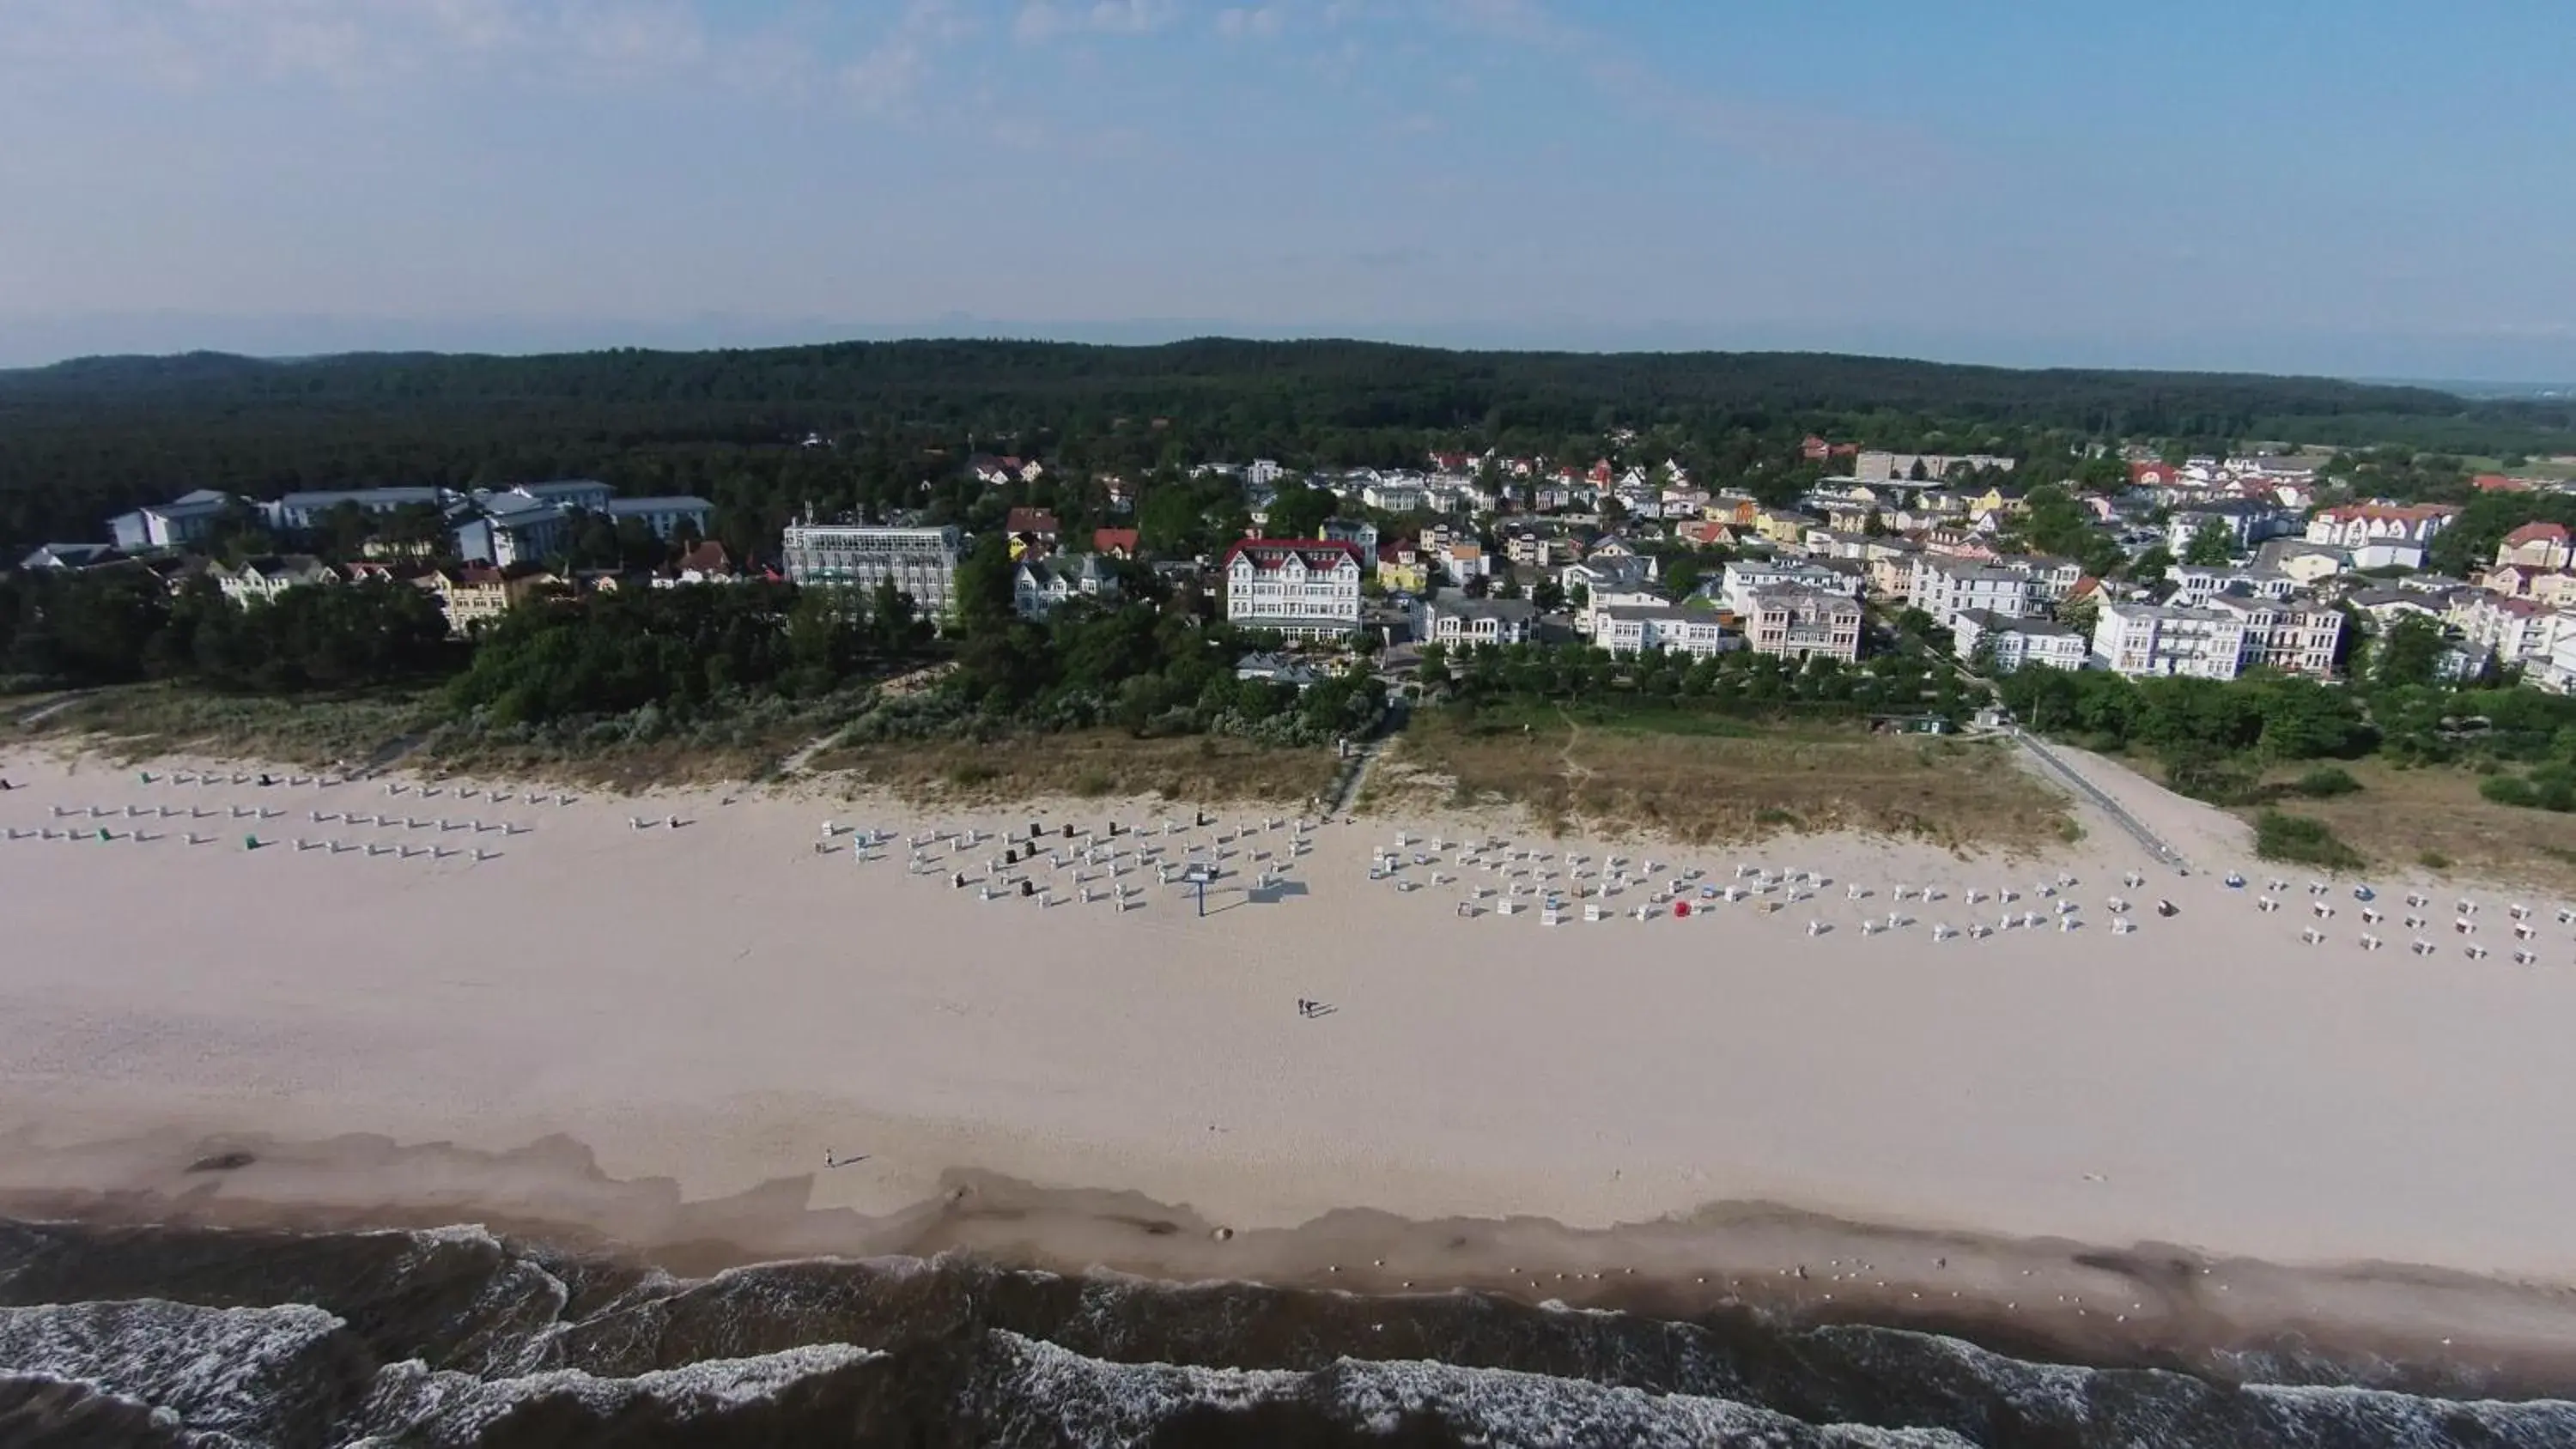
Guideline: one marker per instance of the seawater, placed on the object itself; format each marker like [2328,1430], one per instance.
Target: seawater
[246,1339]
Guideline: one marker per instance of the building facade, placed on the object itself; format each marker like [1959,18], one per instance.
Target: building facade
[2014,643]
[1455,620]
[1636,628]
[1944,588]
[1303,588]
[2140,640]
[1797,623]
[854,558]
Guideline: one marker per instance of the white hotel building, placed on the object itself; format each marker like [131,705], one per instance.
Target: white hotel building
[1305,588]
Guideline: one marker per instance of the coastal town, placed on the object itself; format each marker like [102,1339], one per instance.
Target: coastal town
[2200,567]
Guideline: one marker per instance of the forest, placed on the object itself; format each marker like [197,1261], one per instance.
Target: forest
[868,427]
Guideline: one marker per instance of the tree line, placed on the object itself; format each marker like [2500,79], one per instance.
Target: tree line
[870,428]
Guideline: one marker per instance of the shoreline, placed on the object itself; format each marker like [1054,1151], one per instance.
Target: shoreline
[646,1040]
[2147,1305]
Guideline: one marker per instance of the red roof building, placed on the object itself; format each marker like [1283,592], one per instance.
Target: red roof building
[1034,522]
[1114,542]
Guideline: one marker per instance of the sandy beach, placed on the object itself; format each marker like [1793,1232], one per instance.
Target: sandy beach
[664,1034]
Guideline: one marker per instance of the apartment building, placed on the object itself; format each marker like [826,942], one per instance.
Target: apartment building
[1743,578]
[2152,639]
[2294,636]
[2014,643]
[1636,628]
[2351,525]
[1799,623]
[1943,588]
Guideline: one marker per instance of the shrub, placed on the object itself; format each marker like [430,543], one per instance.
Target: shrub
[2302,841]
[2325,782]
[2433,860]
[2507,790]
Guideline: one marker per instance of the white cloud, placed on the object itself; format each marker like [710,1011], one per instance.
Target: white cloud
[1254,22]
[356,44]
[1039,21]
[890,75]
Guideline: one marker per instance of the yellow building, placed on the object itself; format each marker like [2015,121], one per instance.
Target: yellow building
[1401,568]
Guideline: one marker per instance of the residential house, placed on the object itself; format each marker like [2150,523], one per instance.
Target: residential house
[999,471]
[1462,558]
[1637,628]
[2541,546]
[1942,587]
[2387,606]
[1955,542]
[1031,527]
[2194,584]
[2387,553]
[2012,643]
[262,579]
[2519,631]
[1277,669]
[1799,623]
[1537,547]
[1740,510]
[2515,581]
[1453,618]
[1359,533]
[2308,563]
[2352,525]
[2247,521]
[852,559]
[1040,585]
[1403,568]
[2139,640]
[1880,467]
[708,563]
[1118,543]
[1395,495]
[1891,565]
[1704,533]
[478,593]
[1604,578]
[2050,577]
[1303,588]
[2292,635]
[1118,494]
[189,518]
[1784,525]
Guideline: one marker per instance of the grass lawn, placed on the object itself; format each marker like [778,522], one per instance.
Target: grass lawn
[1087,763]
[2435,818]
[1705,778]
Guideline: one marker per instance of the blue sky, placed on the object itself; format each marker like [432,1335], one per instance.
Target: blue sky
[2362,187]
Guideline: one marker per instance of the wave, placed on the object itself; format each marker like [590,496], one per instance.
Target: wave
[282,1340]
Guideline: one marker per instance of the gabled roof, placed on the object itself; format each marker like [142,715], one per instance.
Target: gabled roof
[1112,540]
[1030,520]
[1271,553]
[2536,533]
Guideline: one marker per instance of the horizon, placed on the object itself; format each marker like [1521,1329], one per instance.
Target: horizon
[1144,335]
[2088,187]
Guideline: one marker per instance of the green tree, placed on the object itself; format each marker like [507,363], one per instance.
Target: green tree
[2211,544]
[2407,652]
